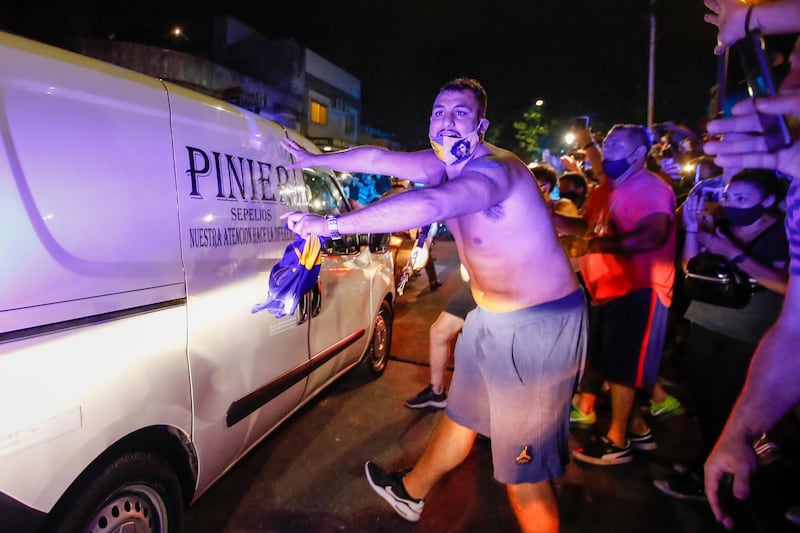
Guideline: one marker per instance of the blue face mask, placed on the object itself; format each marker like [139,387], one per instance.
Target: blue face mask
[614,168]
[456,149]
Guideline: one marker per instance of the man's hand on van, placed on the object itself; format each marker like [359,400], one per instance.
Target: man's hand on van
[306,224]
[301,155]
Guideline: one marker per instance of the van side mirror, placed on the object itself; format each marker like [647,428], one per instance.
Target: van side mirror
[347,245]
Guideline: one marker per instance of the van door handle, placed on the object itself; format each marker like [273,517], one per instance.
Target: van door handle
[301,313]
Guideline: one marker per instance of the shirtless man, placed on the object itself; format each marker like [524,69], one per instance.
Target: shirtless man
[520,351]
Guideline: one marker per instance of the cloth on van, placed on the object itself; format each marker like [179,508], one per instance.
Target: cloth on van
[293,276]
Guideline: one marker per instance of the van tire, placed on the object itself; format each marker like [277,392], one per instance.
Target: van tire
[137,488]
[373,364]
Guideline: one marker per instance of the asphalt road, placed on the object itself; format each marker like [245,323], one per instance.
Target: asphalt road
[308,475]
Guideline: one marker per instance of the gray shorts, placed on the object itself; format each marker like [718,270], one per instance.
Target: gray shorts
[515,374]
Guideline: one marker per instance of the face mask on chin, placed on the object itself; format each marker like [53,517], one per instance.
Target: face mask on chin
[453,150]
[739,216]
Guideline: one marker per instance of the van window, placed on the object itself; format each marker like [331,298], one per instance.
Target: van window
[324,195]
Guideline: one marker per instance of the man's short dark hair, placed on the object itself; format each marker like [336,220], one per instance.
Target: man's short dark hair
[639,135]
[472,85]
[544,172]
[576,179]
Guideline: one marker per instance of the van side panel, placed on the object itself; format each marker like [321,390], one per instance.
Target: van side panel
[87,192]
[68,396]
[233,186]
[92,311]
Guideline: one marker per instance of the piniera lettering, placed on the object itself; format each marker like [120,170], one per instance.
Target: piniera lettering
[239,178]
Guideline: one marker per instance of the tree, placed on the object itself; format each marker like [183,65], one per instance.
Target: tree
[533,131]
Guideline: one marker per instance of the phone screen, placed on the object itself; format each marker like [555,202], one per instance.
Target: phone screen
[760,82]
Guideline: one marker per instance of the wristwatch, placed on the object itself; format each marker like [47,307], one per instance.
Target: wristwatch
[739,258]
[333,226]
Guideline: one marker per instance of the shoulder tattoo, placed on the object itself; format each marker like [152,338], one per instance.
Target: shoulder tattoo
[497,211]
[485,162]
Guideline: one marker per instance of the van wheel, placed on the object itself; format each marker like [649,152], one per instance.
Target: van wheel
[137,492]
[374,362]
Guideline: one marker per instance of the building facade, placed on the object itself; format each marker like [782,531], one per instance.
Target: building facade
[275,78]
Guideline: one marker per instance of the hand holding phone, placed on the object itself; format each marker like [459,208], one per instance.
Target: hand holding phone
[760,82]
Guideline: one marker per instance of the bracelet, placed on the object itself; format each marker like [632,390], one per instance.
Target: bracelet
[333,226]
[589,145]
[747,19]
[689,231]
[739,258]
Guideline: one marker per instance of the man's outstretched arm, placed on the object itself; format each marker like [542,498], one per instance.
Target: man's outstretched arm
[420,167]
[482,184]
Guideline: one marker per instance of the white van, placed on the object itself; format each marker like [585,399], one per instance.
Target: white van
[139,223]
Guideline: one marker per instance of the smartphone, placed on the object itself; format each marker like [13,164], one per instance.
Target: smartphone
[760,82]
[581,122]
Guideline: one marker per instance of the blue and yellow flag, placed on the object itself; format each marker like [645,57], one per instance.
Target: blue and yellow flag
[292,276]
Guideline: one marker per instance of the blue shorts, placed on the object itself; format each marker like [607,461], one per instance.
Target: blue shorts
[515,374]
[627,337]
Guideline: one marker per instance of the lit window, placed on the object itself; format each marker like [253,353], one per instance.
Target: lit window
[319,113]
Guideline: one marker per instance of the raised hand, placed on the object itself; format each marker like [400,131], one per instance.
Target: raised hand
[301,156]
[742,146]
[690,207]
[729,18]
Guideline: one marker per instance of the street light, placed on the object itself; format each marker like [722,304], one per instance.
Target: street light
[177,33]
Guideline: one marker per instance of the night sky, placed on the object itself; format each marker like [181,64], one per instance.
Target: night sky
[582,57]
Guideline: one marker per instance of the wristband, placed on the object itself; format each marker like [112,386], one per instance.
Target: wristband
[333,226]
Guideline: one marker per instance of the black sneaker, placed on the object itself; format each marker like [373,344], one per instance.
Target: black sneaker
[427,398]
[603,452]
[683,484]
[643,442]
[390,488]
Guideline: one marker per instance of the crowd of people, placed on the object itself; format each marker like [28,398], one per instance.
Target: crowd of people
[634,253]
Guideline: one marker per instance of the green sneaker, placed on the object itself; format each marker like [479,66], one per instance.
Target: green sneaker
[576,416]
[668,408]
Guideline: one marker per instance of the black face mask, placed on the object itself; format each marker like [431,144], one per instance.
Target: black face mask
[738,216]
